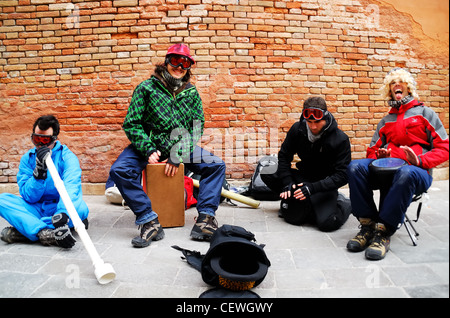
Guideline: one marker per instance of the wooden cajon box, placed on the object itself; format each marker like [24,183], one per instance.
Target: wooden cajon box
[166,194]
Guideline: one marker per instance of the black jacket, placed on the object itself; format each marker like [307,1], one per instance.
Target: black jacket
[323,163]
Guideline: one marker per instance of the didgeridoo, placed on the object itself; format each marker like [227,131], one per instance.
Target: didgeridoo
[234,196]
[104,272]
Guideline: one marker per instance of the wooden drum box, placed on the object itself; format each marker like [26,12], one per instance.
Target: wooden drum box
[165,193]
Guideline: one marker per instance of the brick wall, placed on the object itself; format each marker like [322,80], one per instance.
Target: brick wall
[256,62]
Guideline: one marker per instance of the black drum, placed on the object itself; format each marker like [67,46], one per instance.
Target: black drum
[382,170]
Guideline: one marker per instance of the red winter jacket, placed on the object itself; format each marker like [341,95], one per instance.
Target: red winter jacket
[415,126]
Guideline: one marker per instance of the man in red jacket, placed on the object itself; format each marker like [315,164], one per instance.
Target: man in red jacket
[412,132]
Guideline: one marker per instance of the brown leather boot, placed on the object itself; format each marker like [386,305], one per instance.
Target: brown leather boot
[364,236]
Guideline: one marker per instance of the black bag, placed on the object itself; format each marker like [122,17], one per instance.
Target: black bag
[234,261]
[258,189]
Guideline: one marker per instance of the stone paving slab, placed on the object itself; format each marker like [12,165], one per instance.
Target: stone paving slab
[305,262]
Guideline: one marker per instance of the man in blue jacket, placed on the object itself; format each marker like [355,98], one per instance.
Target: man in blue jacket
[39,214]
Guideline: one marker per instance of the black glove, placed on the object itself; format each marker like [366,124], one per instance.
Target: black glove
[62,232]
[40,172]
[307,189]
[176,164]
[290,187]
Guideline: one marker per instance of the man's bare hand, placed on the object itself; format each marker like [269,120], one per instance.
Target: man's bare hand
[154,157]
[170,170]
[410,155]
[383,153]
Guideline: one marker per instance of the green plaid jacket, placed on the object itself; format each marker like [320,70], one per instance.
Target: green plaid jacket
[158,120]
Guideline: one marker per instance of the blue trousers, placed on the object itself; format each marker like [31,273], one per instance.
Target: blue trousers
[30,218]
[126,174]
[394,199]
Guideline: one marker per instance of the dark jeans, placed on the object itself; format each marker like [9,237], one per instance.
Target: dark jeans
[329,210]
[394,199]
[127,170]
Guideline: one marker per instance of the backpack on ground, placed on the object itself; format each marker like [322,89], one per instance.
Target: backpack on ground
[258,189]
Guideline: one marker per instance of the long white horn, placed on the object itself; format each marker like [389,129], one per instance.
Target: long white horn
[104,272]
[234,196]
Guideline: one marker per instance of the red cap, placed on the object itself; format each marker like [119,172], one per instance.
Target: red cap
[180,49]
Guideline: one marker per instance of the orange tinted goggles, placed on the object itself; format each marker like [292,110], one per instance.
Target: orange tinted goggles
[177,60]
[42,140]
[315,113]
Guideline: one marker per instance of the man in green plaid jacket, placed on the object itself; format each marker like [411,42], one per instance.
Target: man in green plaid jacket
[164,123]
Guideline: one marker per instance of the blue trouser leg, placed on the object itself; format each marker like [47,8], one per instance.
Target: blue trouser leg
[395,200]
[126,173]
[25,217]
[212,172]
[408,181]
[109,183]
[361,192]
[30,218]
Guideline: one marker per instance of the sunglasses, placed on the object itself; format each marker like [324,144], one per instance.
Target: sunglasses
[315,113]
[177,60]
[42,140]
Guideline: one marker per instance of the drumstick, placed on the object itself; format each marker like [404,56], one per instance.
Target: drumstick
[234,196]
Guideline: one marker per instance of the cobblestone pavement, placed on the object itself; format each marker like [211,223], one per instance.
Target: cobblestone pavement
[305,262]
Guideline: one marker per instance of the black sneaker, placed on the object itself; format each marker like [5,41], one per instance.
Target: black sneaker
[205,226]
[12,235]
[151,231]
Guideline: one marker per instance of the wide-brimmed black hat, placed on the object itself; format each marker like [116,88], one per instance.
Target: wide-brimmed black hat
[234,261]
[233,264]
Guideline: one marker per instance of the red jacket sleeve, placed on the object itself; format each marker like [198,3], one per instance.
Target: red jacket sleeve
[417,127]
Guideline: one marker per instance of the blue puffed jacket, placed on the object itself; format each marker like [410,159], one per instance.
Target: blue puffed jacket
[44,192]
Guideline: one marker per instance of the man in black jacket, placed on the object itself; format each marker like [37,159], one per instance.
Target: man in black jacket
[309,193]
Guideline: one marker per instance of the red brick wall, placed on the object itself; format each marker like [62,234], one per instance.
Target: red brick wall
[256,63]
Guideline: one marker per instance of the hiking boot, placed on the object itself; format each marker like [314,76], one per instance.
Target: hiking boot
[151,231]
[205,226]
[12,235]
[47,237]
[364,236]
[380,243]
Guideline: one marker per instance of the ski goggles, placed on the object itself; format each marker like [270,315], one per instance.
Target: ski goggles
[42,140]
[315,113]
[179,60]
